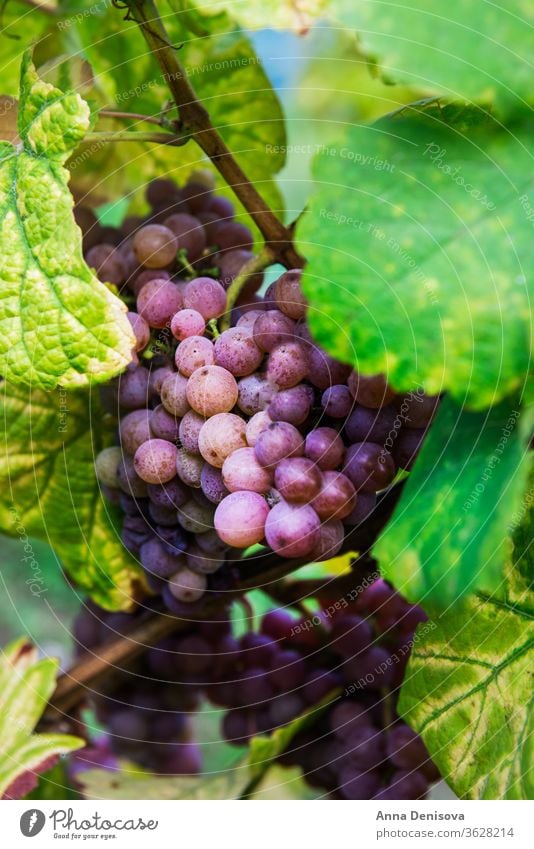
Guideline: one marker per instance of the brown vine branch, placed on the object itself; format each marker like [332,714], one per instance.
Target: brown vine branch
[260,571]
[195,121]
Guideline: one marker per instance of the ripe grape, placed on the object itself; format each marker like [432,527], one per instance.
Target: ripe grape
[336,401]
[241,471]
[206,296]
[186,323]
[254,394]
[298,480]
[325,447]
[141,330]
[287,365]
[188,586]
[212,484]
[169,494]
[292,530]
[189,467]
[189,233]
[220,436]
[369,466]
[189,430]
[107,263]
[258,423]
[228,235]
[240,519]
[292,405]
[211,390]
[155,246]
[163,424]
[158,301]
[336,498]
[193,353]
[278,441]
[272,328]
[237,352]
[329,541]
[174,394]
[133,388]
[155,461]
[289,296]
[157,561]
[134,429]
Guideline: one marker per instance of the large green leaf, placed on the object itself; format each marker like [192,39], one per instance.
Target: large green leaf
[58,323]
[222,66]
[49,490]
[449,532]
[26,684]
[475,50]
[468,688]
[239,780]
[296,15]
[418,238]
[21,25]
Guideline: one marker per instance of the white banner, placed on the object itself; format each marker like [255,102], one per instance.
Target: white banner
[255,824]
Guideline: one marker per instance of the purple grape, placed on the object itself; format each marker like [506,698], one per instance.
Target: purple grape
[212,484]
[325,447]
[291,405]
[291,530]
[297,479]
[158,561]
[133,388]
[164,425]
[336,401]
[276,442]
[189,233]
[369,466]
[237,352]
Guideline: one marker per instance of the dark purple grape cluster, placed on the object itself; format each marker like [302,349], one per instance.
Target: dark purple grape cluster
[357,749]
[229,439]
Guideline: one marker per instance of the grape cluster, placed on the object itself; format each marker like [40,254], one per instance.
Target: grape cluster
[357,749]
[234,438]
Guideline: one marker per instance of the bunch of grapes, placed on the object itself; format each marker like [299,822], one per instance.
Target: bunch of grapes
[229,439]
[357,749]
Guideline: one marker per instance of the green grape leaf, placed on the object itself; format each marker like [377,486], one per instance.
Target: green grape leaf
[22,25]
[468,687]
[239,780]
[418,237]
[26,683]
[224,70]
[49,491]
[449,533]
[479,53]
[59,325]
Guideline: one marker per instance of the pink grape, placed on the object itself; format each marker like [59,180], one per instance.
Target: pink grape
[190,427]
[163,424]
[278,441]
[287,365]
[187,323]
[292,405]
[206,296]
[154,246]
[288,294]
[174,394]
[258,423]
[158,301]
[241,471]
[247,320]
[189,468]
[212,484]
[236,351]
[240,519]
[141,330]
[292,530]
[325,447]
[222,434]
[134,429]
[193,353]
[254,394]
[155,461]
[211,390]
[272,328]
[336,498]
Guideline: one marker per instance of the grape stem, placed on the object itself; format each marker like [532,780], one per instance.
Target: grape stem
[264,570]
[174,140]
[194,120]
